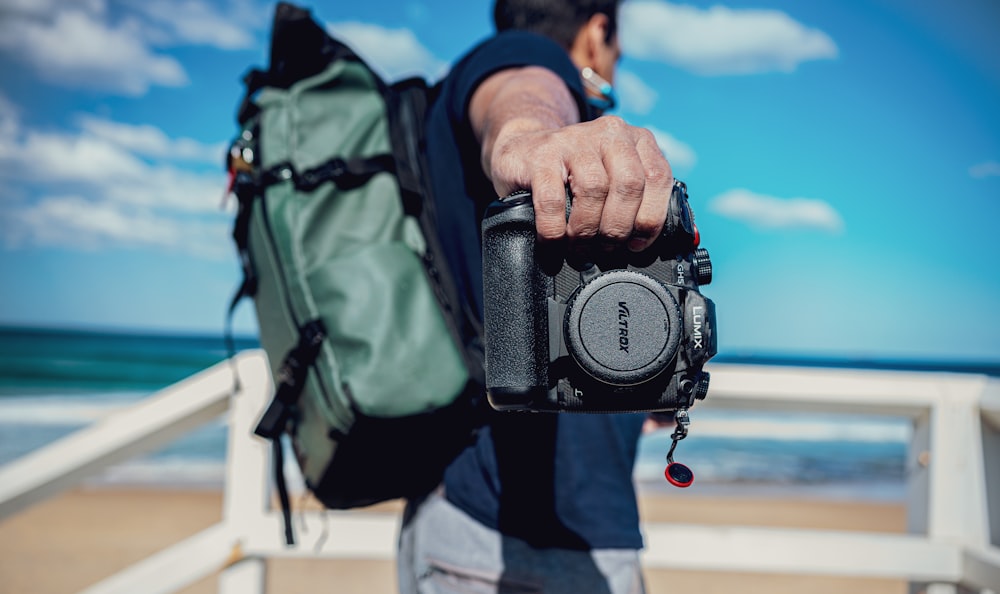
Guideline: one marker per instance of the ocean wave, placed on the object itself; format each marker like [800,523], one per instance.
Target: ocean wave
[799,428]
[174,471]
[82,409]
[798,463]
[59,409]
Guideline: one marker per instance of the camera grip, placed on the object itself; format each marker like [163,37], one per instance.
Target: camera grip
[515,314]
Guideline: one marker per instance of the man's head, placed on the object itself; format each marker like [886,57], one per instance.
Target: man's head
[587,29]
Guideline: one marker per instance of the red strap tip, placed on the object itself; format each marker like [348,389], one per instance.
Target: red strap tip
[679,475]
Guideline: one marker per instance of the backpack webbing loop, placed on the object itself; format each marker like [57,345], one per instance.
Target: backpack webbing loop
[291,379]
[346,174]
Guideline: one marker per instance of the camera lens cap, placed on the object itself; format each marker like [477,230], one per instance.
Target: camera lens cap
[623,327]
[679,475]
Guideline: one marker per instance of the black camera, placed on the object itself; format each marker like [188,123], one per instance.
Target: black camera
[625,332]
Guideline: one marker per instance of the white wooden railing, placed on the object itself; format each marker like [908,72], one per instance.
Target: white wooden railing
[953,499]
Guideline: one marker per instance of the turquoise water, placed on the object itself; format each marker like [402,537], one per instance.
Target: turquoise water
[50,360]
[53,382]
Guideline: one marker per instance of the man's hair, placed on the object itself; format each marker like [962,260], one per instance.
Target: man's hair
[559,20]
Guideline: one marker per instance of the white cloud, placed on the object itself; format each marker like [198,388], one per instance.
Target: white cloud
[106,156]
[10,116]
[109,185]
[53,220]
[680,155]
[720,40]
[83,44]
[149,141]
[393,53]
[78,49]
[768,212]
[111,171]
[986,169]
[198,22]
[636,96]
[55,157]
[80,223]
[47,7]
[170,189]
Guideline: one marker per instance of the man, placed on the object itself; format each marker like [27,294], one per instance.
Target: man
[540,502]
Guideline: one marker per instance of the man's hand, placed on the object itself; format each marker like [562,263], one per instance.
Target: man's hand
[621,182]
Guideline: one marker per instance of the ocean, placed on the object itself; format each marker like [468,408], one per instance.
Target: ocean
[54,382]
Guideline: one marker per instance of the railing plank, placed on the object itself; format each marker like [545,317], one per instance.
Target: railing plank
[981,568]
[794,551]
[352,535]
[850,391]
[328,535]
[173,568]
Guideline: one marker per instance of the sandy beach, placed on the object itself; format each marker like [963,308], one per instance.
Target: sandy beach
[76,539]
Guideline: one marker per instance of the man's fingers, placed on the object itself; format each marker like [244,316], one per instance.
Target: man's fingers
[625,190]
[548,194]
[620,182]
[588,181]
[659,182]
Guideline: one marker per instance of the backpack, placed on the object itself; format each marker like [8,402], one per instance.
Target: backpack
[377,365]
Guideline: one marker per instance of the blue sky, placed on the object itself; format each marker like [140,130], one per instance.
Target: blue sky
[843,157]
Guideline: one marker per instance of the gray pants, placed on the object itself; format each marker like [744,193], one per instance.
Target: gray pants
[444,551]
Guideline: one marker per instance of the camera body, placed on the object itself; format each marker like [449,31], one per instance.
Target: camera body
[628,332]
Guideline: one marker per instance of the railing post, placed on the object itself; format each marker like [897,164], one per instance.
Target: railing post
[247,489]
[990,426]
[948,484]
[918,484]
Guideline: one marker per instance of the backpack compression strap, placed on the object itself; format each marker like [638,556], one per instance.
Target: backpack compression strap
[346,174]
[290,381]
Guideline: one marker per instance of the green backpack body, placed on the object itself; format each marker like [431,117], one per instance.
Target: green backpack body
[355,306]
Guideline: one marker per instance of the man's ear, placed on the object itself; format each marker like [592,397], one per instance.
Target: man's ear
[590,40]
[597,29]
